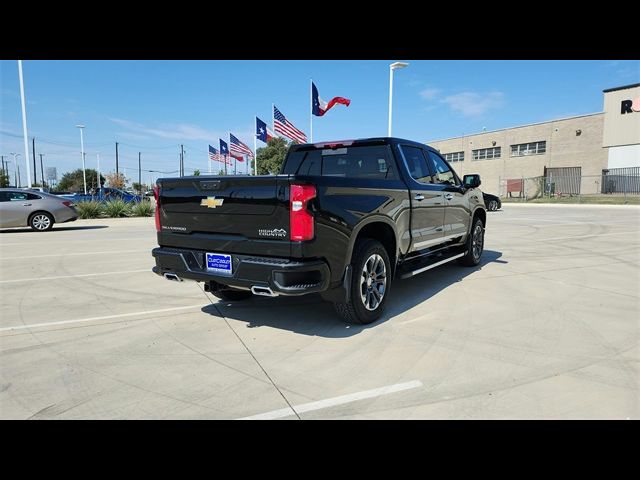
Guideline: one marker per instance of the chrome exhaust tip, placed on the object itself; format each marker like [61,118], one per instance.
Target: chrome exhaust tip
[173,277]
[264,291]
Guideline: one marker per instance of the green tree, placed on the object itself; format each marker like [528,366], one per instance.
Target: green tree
[196,173]
[140,187]
[270,158]
[4,179]
[73,182]
[221,172]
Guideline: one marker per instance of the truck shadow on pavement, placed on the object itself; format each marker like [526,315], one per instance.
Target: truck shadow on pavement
[54,229]
[310,315]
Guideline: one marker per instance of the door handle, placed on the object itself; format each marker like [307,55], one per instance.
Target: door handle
[448,196]
[26,204]
[419,197]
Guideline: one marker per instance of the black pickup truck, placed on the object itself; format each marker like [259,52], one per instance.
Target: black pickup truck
[343,219]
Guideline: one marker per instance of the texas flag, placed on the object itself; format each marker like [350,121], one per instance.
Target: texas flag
[319,107]
[224,151]
[262,131]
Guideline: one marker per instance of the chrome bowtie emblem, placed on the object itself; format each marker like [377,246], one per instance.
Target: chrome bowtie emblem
[212,202]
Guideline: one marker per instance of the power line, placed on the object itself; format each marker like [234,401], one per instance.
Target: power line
[153,148]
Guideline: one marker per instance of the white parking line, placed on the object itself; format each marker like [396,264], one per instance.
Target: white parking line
[331,402]
[70,254]
[73,276]
[93,319]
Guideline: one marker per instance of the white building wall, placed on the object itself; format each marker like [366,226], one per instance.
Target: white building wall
[626,156]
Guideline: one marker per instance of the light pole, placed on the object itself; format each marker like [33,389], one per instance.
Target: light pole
[84,175]
[15,166]
[6,170]
[392,67]
[24,124]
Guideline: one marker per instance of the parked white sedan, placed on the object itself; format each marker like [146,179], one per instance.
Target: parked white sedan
[38,210]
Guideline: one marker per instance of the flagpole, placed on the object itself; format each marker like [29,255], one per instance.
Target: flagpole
[311,108]
[273,118]
[224,158]
[209,162]
[235,161]
[255,147]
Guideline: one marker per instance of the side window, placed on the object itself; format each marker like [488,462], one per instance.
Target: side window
[5,196]
[33,196]
[442,171]
[17,196]
[416,164]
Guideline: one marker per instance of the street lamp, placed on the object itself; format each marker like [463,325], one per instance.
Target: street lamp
[6,171]
[84,175]
[15,167]
[392,67]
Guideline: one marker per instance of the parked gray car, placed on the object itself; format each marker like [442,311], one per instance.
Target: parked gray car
[38,210]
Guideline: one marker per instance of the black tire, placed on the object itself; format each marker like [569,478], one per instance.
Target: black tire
[41,221]
[366,304]
[493,205]
[474,247]
[232,295]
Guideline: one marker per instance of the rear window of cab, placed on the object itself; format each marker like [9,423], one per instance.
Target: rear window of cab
[348,162]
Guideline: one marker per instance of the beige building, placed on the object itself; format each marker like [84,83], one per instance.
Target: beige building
[583,147]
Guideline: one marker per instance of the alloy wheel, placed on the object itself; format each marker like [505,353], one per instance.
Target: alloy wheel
[41,222]
[373,282]
[477,241]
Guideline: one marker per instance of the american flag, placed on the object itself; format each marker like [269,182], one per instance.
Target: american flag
[285,127]
[238,149]
[215,156]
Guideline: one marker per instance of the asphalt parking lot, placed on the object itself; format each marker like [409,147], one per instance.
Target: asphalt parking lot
[548,327]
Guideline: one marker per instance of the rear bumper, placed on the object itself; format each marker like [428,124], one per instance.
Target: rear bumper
[66,214]
[282,275]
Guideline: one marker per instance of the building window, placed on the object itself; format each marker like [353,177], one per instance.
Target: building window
[454,157]
[487,153]
[523,149]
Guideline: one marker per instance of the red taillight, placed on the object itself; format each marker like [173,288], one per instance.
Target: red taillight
[301,219]
[67,203]
[156,195]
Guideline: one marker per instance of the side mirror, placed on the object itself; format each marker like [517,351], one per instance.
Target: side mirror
[471,181]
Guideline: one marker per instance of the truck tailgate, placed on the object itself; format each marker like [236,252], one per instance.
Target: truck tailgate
[234,214]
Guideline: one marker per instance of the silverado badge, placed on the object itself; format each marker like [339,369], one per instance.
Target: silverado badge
[212,202]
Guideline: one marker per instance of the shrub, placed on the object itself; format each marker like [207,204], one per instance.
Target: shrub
[117,208]
[89,209]
[142,209]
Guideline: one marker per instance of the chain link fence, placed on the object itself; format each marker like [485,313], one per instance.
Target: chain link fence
[622,183]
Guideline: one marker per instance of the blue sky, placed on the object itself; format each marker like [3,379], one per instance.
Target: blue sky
[154,106]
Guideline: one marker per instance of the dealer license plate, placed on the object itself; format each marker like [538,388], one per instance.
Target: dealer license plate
[219,263]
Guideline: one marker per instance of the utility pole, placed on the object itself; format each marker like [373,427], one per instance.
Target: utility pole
[139,174]
[35,169]
[182,160]
[18,179]
[116,158]
[42,169]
